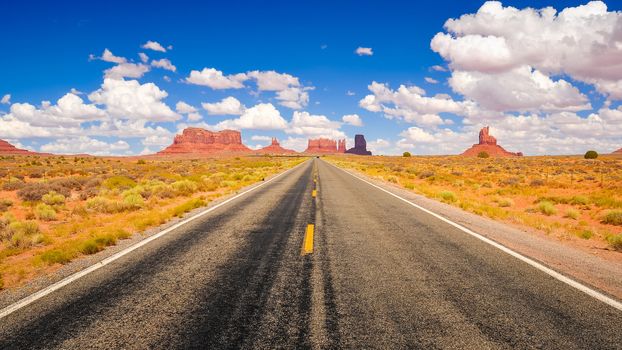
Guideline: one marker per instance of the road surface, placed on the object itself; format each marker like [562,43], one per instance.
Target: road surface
[381,274]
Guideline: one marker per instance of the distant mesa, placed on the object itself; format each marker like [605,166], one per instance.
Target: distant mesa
[618,151]
[488,143]
[201,141]
[360,146]
[326,146]
[7,148]
[274,148]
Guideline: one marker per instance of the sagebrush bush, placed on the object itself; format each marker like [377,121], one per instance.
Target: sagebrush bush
[13,184]
[133,201]
[579,200]
[5,204]
[483,155]
[572,214]
[45,212]
[547,208]
[185,187]
[53,198]
[34,191]
[448,196]
[118,182]
[506,202]
[615,241]
[613,218]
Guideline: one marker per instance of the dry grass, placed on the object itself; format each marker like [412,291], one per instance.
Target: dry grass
[563,196]
[56,209]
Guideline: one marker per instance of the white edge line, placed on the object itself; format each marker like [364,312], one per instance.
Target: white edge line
[71,278]
[583,288]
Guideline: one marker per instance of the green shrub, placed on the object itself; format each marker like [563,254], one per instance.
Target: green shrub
[13,184]
[5,204]
[547,208]
[613,218]
[586,234]
[483,154]
[448,196]
[615,241]
[591,155]
[141,161]
[579,200]
[185,187]
[56,256]
[505,202]
[118,183]
[406,154]
[104,205]
[53,198]
[27,228]
[133,201]
[572,214]
[45,212]
[90,247]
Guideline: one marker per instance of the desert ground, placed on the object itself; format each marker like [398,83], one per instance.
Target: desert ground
[54,209]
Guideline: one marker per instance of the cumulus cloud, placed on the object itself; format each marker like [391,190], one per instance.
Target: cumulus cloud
[143,57]
[227,106]
[128,99]
[164,64]
[194,117]
[296,143]
[126,70]
[273,81]
[69,111]
[304,123]
[581,42]
[263,116]
[364,51]
[184,108]
[84,144]
[411,104]
[108,56]
[153,45]
[6,99]
[352,119]
[216,80]
[378,146]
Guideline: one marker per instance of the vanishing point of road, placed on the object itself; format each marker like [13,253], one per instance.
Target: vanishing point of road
[315,258]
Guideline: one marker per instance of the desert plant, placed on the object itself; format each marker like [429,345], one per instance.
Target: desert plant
[613,217]
[13,184]
[53,198]
[506,202]
[184,187]
[615,241]
[119,182]
[406,154]
[572,214]
[591,155]
[133,201]
[447,196]
[547,208]
[45,212]
[483,154]
[579,200]
[5,204]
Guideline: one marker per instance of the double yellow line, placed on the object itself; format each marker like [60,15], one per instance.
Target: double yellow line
[307,243]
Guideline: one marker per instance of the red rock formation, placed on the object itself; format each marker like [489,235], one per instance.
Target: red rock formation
[326,146]
[7,148]
[618,151]
[197,140]
[274,148]
[488,143]
[360,146]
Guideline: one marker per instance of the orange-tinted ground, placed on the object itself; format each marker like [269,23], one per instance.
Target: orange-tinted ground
[54,209]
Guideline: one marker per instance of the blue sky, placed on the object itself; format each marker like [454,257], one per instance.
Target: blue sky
[46,50]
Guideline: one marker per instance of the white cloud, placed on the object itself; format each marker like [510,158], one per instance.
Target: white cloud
[154,45]
[108,56]
[69,111]
[6,99]
[128,99]
[296,143]
[126,70]
[262,117]
[293,97]
[410,104]
[228,106]
[439,68]
[273,81]
[143,57]
[158,140]
[364,51]
[378,146]
[303,123]
[520,89]
[261,138]
[184,108]
[350,93]
[352,119]
[431,80]
[84,144]
[164,64]
[194,117]
[216,80]
[581,42]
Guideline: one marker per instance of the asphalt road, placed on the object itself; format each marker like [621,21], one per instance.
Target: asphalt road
[382,275]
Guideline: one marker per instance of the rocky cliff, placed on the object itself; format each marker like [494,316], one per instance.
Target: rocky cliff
[274,148]
[325,146]
[7,148]
[618,151]
[488,143]
[197,140]
[360,146]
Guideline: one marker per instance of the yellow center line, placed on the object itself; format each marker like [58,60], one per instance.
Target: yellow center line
[313,193]
[307,243]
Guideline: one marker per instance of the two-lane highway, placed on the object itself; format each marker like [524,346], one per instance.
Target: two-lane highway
[381,274]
